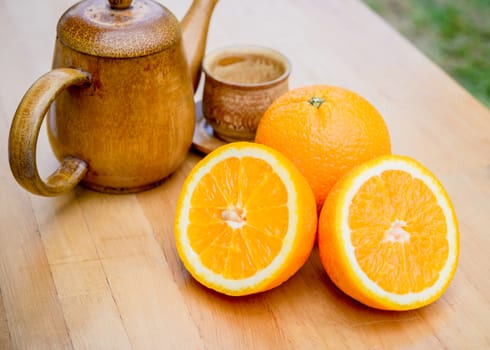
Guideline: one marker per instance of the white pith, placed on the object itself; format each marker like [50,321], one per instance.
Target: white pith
[234,217]
[371,286]
[201,271]
[396,233]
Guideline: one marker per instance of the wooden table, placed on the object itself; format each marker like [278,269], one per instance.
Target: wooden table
[94,271]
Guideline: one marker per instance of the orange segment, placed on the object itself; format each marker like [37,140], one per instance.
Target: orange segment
[245,219]
[388,234]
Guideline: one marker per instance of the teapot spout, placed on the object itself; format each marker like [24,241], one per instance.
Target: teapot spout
[195,26]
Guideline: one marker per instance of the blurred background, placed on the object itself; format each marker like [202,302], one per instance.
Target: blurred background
[455,34]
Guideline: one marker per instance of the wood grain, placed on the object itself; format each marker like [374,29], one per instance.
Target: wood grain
[97,271]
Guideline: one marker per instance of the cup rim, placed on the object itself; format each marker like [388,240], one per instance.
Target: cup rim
[247,48]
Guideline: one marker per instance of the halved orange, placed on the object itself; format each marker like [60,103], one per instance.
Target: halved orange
[388,235]
[245,220]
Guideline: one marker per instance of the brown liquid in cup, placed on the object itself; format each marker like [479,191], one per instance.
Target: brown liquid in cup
[247,69]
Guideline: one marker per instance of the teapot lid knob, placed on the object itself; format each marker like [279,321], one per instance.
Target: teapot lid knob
[120,4]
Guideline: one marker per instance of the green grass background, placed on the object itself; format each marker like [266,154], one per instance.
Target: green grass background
[455,34]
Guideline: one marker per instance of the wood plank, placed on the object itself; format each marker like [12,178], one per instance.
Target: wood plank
[5,342]
[35,318]
[81,284]
[137,272]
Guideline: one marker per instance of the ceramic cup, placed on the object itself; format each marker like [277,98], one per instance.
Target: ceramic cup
[240,84]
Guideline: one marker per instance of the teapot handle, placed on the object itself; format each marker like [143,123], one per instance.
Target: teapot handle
[24,132]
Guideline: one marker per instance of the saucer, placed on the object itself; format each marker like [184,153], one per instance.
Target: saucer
[204,139]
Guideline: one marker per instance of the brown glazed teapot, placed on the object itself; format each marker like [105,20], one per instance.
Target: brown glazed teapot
[120,97]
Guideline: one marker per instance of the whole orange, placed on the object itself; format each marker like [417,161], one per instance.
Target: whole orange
[325,131]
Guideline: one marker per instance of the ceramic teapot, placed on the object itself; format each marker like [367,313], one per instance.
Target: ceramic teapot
[119,98]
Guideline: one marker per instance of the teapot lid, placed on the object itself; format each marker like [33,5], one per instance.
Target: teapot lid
[118,28]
